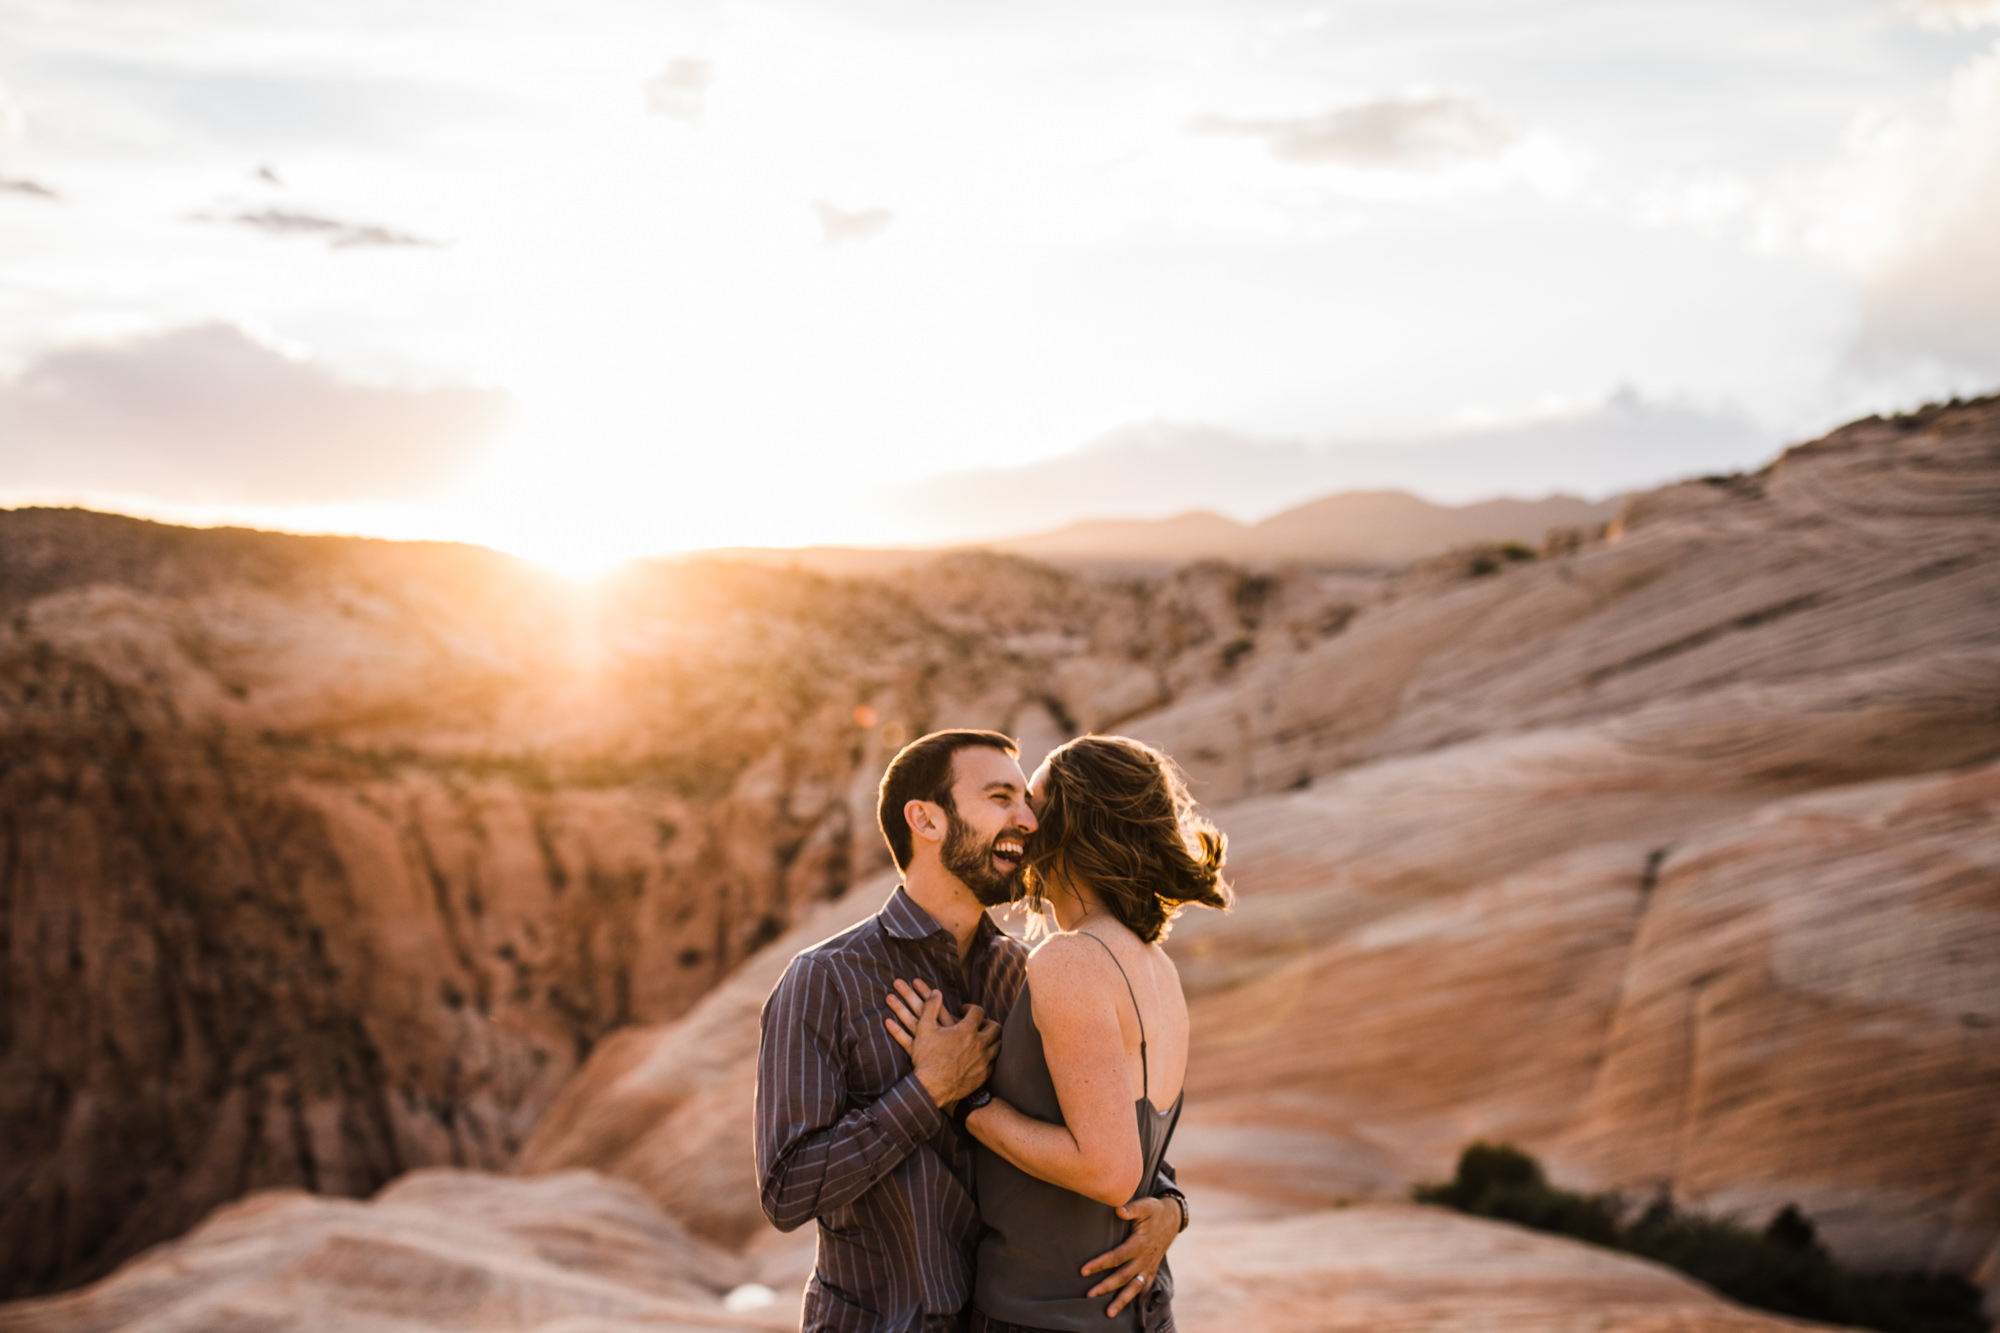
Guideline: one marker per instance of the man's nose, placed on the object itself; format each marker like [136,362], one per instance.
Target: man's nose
[1024,815]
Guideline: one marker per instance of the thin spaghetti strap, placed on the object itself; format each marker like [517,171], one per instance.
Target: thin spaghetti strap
[1145,1084]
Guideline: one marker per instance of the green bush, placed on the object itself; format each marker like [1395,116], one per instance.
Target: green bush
[1782,1268]
[1499,1180]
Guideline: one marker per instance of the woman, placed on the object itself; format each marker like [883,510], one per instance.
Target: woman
[1097,1043]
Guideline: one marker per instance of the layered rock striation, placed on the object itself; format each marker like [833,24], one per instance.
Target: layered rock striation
[322,860]
[439,1249]
[1671,858]
[1668,855]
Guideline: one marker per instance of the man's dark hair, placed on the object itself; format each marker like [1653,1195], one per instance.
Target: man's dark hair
[921,771]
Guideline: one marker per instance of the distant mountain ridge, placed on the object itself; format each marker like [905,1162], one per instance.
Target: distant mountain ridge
[1351,529]
[1154,469]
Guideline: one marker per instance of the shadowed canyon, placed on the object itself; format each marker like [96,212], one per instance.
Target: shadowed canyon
[334,868]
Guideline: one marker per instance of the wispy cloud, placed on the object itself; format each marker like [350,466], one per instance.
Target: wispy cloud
[209,415]
[1418,132]
[844,226]
[1954,13]
[340,235]
[680,91]
[28,187]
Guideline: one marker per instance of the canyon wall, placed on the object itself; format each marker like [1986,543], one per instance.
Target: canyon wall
[1674,858]
[1667,854]
[322,860]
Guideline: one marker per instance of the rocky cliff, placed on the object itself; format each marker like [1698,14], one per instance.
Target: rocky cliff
[322,860]
[1669,855]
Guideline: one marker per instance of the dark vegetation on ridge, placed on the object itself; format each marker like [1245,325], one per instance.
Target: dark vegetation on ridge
[1782,1267]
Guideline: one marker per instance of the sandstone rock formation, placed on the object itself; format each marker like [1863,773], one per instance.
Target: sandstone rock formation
[321,860]
[1669,856]
[439,1249]
[1379,1267]
[451,1249]
[666,1107]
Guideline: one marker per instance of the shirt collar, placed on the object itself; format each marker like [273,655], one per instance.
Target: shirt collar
[905,920]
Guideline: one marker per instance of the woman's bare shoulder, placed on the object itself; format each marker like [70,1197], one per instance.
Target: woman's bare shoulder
[1068,966]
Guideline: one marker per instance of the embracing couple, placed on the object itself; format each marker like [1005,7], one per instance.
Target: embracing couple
[980,1131]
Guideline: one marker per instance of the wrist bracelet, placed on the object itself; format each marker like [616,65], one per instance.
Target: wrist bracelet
[1180,1201]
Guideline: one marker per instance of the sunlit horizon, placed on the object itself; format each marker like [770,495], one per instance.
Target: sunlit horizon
[594,282]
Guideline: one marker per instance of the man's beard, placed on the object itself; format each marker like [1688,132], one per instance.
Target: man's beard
[972,861]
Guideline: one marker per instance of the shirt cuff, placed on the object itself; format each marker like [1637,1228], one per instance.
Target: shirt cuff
[907,1114]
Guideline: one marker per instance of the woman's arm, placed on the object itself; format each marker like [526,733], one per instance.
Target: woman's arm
[1095,1151]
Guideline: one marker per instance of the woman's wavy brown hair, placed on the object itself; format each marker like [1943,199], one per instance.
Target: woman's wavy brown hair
[1116,815]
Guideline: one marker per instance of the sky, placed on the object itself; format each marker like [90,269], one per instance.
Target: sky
[609,277]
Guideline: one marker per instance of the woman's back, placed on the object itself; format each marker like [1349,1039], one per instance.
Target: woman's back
[1040,1234]
[1097,1043]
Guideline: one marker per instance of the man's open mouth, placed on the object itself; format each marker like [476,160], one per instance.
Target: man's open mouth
[1008,850]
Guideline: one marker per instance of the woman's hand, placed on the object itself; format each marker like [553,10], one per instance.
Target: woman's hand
[949,1058]
[907,1001]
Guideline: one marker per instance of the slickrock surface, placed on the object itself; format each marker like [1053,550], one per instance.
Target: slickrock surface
[1797,1005]
[1389,1268]
[448,1249]
[1671,857]
[1850,587]
[440,1249]
[1735,936]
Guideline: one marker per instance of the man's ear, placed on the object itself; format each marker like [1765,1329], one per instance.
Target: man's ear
[926,820]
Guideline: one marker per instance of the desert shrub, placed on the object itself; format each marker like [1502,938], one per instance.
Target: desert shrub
[1499,1180]
[1783,1267]
[1491,559]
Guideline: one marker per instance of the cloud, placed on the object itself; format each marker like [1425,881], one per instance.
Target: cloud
[28,187]
[1418,132]
[340,235]
[1157,469]
[208,415]
[1916,223]
[1954,13]
[680,91]
[841,226]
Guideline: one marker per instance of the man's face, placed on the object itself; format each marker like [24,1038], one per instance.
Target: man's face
[987,824]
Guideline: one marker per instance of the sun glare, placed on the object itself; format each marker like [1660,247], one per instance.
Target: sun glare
[575,551]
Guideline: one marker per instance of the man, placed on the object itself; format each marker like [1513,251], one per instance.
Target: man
[857,1135]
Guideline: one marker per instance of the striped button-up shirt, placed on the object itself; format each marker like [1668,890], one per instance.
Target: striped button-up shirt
[846,1134]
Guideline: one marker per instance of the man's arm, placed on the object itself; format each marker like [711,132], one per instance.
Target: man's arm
[811,1158]
[1155,1222]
